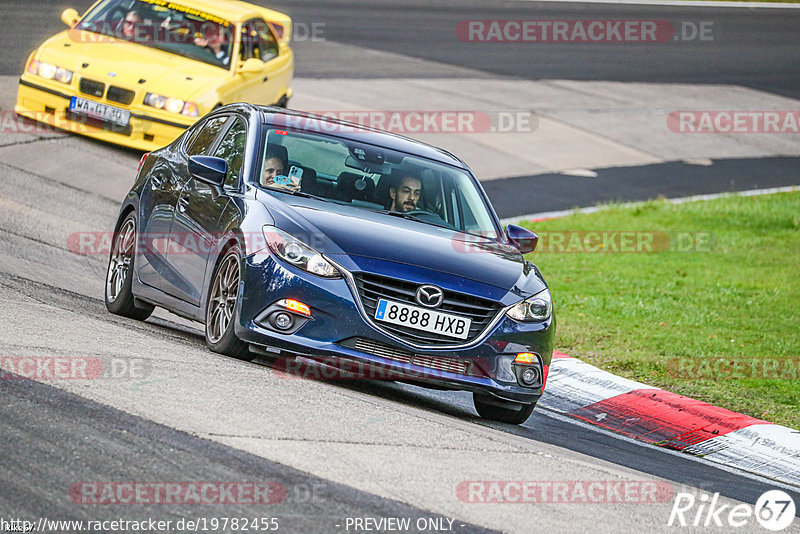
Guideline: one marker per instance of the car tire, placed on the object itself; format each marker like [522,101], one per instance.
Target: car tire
[223,298]
[510,412]
[119,276]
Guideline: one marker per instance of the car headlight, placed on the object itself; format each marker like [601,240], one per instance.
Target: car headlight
[173,105]
[294,251]
[50,71]
[533,309]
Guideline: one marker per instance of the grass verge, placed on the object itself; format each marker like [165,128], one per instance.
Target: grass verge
[704,301]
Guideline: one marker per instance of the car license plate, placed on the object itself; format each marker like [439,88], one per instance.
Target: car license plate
[422,319]
[100,111]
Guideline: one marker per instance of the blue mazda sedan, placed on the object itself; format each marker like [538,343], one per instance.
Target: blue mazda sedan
[296,237]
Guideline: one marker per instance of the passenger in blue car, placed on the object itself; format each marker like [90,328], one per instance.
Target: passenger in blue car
[274,173]
[405,195]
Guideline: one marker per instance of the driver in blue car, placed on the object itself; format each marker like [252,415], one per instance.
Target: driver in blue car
[405,195]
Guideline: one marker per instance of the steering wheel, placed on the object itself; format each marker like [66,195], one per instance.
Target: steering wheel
[428,216]
[417,212]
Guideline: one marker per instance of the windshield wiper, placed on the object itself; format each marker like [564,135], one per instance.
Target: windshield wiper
[297,193]
[406,216]
[397,214]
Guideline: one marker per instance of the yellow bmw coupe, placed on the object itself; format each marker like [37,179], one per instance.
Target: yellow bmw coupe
[138,72]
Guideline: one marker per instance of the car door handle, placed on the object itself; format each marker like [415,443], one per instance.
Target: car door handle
[155,182]
[183,203]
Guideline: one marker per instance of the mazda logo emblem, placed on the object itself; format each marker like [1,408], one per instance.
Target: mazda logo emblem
[430,296]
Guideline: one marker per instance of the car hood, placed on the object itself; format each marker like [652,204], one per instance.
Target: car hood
[164,73]
[358,234]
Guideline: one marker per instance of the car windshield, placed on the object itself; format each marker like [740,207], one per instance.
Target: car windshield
[167,26]
[367,177]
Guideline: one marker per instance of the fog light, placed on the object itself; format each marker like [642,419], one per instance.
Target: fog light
[283,321]
[530,376]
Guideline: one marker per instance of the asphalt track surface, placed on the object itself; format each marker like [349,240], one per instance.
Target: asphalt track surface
[758,48]
[524,195]
[48,435]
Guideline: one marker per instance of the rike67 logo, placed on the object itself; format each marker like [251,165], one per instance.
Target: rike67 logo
[774,510]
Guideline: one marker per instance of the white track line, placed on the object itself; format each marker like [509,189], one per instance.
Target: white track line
[679,3]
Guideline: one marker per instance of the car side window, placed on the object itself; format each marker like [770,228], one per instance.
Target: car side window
[267,44]
[205,138]
[191,134]
[258,41]
[231,149]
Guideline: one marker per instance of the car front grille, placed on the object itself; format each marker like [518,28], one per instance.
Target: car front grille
[373,287]
[450,365]
[120,95]
[92,87]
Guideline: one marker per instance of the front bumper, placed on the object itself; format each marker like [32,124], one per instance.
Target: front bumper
[48,103]
[338,331]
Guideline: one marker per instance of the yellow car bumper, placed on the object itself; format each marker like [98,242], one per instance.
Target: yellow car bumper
[49,103]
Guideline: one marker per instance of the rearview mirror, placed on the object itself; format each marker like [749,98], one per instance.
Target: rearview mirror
[208,169]
[251,66]
[522,238]
[362,166]
[70,16]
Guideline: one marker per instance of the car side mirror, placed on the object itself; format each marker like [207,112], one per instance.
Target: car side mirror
[252,66]
[70,16]
[522,238]
[208,169]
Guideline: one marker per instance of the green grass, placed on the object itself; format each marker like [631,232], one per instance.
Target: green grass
[736,300]
[769,1]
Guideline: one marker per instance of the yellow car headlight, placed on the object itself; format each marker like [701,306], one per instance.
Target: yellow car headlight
[63,75]
[50,71]
[154,100]
[190,109]
[173,105]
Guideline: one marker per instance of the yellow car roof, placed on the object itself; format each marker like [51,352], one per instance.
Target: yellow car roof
[231,10]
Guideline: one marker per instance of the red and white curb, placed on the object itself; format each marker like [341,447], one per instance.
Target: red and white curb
[577,389]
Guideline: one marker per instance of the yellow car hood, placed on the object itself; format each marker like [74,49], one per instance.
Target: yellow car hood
[163,73]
